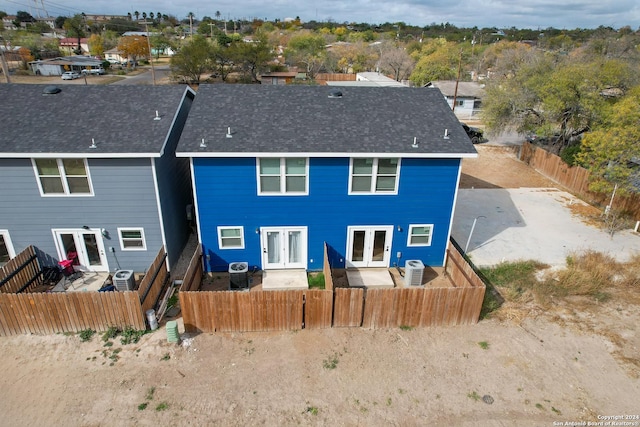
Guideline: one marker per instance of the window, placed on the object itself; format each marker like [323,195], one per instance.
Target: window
[231,237]
[132,239]
[374,176]
[6,248]
[460,103]
[282,176]
[420,235]
[68,177]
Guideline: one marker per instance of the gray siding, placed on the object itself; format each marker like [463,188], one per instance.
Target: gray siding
[124,196]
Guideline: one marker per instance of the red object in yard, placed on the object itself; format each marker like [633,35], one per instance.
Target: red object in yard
[67,266]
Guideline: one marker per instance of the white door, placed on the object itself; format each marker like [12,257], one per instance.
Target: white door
[369,246]
[86,244]
[284,247]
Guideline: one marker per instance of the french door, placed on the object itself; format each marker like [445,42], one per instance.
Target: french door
[369,246]
[87,245]
[283,247]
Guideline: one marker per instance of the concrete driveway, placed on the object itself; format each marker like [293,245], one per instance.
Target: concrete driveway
[531,223]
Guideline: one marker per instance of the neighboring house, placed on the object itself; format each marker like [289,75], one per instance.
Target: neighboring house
[7,22]
[370,79]
[278,77]
[468,96]
[90,170]
[279,171]
[69,45]
[115,56]
[57,66]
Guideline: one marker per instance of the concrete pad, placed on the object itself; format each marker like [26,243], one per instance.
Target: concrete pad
[278,280]
[378,278]
[531,224]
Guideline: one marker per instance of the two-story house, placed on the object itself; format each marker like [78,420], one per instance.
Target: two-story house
[91,171]
[279,170]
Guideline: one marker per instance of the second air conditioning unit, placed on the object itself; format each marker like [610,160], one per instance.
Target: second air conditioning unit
[124,280]
[238,275]
[413,271]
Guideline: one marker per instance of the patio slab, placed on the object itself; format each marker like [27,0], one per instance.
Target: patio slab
[278,280]
[378,278]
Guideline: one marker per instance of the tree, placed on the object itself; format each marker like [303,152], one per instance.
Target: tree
[192,60]
[59,22]
[96,45]
[144,16]
[253,57]
[396,61]
[160,43]
[612,152]
[437,59]
[137,15]
[134,47]
[306,49]
[552,94]
[75,27]
[25,57]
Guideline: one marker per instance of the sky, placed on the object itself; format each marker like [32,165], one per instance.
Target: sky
[532,14]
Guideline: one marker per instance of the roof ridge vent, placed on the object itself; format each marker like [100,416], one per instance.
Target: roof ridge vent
[335,93]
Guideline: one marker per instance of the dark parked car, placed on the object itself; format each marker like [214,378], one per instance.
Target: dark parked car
[476,135]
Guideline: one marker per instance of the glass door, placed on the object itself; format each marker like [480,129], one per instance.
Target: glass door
[84,247]
[369,246]
[284,247]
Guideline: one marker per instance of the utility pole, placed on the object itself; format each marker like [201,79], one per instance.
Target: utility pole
[5,67]
[455,92]
[211,24]
[153,71]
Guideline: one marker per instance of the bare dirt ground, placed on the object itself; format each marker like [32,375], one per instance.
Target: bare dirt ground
[574,361]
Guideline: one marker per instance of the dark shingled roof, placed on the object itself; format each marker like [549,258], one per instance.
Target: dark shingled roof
[304,119]
[119,118]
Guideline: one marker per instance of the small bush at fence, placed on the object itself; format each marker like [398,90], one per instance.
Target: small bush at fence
[86,335]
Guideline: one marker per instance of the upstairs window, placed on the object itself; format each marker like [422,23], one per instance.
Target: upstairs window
[282,176]
[63,177]
[374,176]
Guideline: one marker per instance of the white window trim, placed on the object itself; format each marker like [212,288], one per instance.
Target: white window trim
[8,243]
[121,239]
[283,179]
[63,178]
[374,175]
[230,227]
[409,234]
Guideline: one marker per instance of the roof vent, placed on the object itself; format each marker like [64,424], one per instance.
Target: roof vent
[51,90]
[335,94]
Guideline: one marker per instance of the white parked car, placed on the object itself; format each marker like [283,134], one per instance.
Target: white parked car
[70,75]
[98,70]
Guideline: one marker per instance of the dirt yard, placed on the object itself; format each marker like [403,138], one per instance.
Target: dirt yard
[576,361]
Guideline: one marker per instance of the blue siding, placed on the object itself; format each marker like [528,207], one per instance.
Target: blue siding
[227,195]
[124,197]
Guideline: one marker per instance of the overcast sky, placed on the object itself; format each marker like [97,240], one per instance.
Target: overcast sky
[567,14]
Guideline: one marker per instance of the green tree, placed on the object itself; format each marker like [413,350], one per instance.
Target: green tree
[96,45]
[438,59]
[75,27]
[307,50]
[192,60]
[612,152]
[253,57]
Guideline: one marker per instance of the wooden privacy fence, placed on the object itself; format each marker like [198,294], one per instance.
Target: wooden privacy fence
[457,304]
[193,276]
[574,178]
[21,273]
[51,313]
[153,281]
[56,312]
